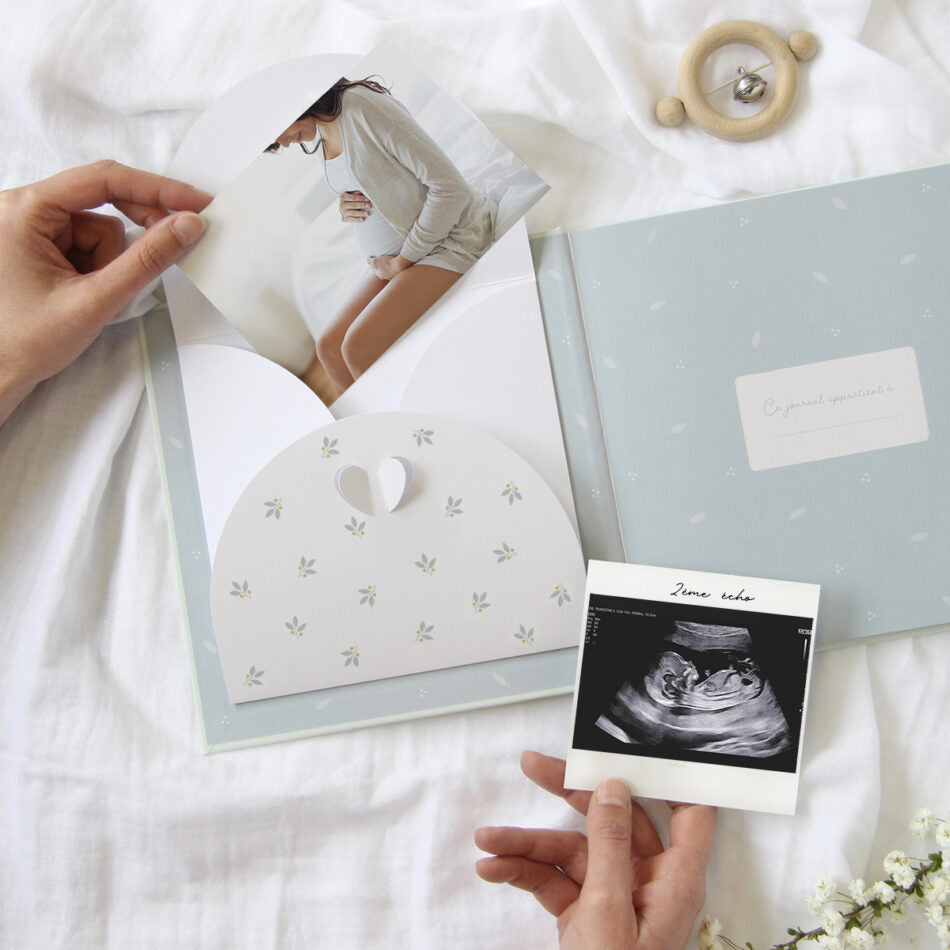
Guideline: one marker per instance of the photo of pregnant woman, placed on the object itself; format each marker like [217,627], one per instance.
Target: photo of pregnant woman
[359,216]
[417,220]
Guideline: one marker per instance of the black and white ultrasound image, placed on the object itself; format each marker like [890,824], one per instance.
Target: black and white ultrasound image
[692,683]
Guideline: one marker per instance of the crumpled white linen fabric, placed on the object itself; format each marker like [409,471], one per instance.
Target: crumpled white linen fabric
[116,831]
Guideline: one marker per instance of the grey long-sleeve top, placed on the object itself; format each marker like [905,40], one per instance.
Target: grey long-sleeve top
[390,155]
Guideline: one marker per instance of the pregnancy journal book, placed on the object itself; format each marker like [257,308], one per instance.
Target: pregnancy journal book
[756,389]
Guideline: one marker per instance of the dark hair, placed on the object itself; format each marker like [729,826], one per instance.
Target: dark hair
[330,105]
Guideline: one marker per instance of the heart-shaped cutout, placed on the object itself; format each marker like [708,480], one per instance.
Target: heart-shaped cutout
[395,479]
[352,483]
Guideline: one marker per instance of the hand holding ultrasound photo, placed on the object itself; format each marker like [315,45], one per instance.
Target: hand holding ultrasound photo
[692,686]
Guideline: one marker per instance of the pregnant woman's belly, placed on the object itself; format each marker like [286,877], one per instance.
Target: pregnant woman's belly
[375,235]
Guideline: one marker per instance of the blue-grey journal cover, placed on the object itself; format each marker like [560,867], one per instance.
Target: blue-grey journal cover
[762,388]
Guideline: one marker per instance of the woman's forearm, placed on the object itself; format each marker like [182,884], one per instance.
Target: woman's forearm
[447,192]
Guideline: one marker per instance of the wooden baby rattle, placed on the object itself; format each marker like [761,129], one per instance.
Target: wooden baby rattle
[747,86]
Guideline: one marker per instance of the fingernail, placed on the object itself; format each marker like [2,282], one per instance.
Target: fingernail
[613,792]
[188,227]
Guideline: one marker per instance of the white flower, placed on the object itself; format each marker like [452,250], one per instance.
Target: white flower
[832,921]
[860,939]
[814,906]
[923,883]
[708,936]
[892,861]
[904,876]
[857,889]
[935,891]
[882,891]
[824,888]
[934,914]
[897,865]
[922,823]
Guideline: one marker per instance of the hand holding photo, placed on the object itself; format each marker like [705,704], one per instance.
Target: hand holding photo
[692,686]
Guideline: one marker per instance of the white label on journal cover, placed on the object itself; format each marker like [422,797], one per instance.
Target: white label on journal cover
[833,408]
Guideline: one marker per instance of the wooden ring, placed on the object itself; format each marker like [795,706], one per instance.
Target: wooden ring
[786,80]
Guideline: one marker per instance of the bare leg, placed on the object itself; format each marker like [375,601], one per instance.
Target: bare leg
[330,344]
[317,378]
[391,312]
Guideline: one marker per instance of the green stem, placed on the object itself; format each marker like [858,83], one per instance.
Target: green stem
[870,912]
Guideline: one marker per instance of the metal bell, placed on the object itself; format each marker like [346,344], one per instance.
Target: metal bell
[748,87]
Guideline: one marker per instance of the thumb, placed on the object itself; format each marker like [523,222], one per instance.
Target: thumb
[609,878]
[143,261]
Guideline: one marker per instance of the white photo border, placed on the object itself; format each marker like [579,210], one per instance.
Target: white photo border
[729,786]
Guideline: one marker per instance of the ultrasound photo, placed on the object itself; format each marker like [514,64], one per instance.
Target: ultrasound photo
[698,684]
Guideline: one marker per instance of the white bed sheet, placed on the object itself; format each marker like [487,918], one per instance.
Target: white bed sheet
[117,832]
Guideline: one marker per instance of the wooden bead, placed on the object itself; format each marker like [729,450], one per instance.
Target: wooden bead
[670,111]
[803,44]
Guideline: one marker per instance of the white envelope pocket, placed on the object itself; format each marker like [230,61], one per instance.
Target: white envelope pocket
[309,590]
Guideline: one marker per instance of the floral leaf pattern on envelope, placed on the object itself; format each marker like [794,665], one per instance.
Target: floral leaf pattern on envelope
[424,632]
[525,636]
[511,492]
[295,627]
[356,528]
[368,595]
[253,677]
[563,597]
[367,586]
